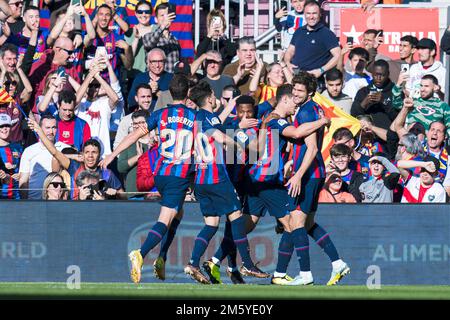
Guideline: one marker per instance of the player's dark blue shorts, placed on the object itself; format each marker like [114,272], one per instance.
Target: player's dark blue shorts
[241,190]
[217,199]
[262,197]
[173,190]
[309,196]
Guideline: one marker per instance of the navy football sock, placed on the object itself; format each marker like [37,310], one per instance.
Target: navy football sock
[227,245]
[168,238]
[285,249]
[323,239]
[153,238]
[301,244]
[201,243]
[241,241]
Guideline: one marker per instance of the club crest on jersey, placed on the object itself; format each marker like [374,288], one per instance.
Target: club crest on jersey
[163,123]
[431,197]
[215,121]
[282,122]
[15,154]
[66,134]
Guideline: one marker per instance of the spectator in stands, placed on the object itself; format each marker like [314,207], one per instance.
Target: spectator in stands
[356,77]
[407,49]
[332,191]
[127,164]
[368,144]
[212,66]
[320,50]
[216,38]
[88,183]
[409,148]
[161,37]
[427,107]
[31,17]
[242,69]
[376,98]
[435,146]
[143,12]
[422,189]
[118,51]
[48,102]
[156,77]
[10,154]
[62,55]
[54,187]
[288,22]
[341,156]
[276,76]
[36,161]
[145,178]
[101,101]
[427,64]
[380,188]
[359,162]
[72,130]
[14,21]
[372,39]
[120,21]
[143,99]
[334,82]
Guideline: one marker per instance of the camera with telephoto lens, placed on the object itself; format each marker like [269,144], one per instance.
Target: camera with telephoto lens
[99,187]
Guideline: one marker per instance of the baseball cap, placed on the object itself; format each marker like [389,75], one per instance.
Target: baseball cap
[5,119]
[426,43]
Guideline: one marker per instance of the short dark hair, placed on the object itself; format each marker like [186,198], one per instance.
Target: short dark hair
[200,93]
[431,77]
[141,3]
[8,47]
[67,96]
[410,39]
[311,2]
[143,86]
[104,6]
[306,79]
[381,63]
[371,31]
[31,7]
[284,90]
[161,6]
[358,51]
[342,133]
[179,87]
[245,100]
[140,113]
[230,87]
[47,116]
[334,74]
[92,142]
[340,149]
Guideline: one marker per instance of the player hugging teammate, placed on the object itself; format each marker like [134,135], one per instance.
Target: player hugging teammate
[244,190]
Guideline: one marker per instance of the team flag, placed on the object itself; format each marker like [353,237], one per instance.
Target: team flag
[339,118]
[5,97]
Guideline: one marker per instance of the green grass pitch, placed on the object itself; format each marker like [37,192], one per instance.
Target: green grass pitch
[196,291]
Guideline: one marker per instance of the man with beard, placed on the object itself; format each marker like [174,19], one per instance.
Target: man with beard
[427,107]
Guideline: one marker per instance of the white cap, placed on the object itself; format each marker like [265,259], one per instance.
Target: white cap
[5,119]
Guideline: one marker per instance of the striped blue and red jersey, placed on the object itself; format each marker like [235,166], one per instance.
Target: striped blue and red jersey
[309,112]
[243,137]
[177,130]
[210,162]
[10,154]
[269,167]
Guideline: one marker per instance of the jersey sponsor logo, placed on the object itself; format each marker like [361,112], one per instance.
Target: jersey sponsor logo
[242,136]
[282,122]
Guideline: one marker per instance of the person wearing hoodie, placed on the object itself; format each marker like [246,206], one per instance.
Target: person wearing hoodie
[216,38]
[427,64]
[376,98]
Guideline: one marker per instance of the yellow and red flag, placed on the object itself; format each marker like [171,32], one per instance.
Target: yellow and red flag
[339,118]
[5,97]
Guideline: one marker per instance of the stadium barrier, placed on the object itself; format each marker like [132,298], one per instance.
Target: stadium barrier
[43,241]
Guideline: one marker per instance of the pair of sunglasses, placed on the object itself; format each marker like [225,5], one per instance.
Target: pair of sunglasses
[143,11]
[55,185]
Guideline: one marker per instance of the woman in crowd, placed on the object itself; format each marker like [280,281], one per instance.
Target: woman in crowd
[333,192]
[54,187]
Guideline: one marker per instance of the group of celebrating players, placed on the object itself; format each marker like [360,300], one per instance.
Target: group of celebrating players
[193,144]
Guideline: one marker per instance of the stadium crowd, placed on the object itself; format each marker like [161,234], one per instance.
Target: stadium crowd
[71,95]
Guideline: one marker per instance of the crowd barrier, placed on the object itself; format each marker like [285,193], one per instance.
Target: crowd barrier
[44,241]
